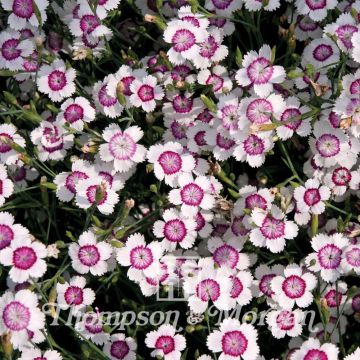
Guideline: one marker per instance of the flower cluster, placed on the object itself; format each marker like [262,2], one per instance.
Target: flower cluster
[154,148]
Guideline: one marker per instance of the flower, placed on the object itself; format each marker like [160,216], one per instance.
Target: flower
[121,147]
[192,195]
[227,254]
[312,349]
[321,53]
[9,136]
[252,148]
[52,140]
[316,10]
[23,13]
[66,181]
[96,190]
[330,146]
[354,355]
[209,284]
[217,77]
[293,288]
[56,80]
[310,198]
[166,343]
[351,259]
[14,50]
[91,326]
[6,185]
[264,274]
[170,161]
[175,229]
[339,179]
[328,255]
[234,340]
[285,322]
[185,39]
[272,229]
[76,112]
[145,92]
[34,354]
[10,231]
[88,255]
[26,259]
[120,347]
[142,258]
[105,103]
[20,315]
[73,294]
[259,72]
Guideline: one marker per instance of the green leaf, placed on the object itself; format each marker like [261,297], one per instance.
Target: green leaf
[273,54]
[238,57]
[209,103]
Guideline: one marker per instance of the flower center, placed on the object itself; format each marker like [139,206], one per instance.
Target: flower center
[166,344]
[122,146]
[312,197]
[57,80]
[253,145]
[208,289]
[73,113]
[16,316]
[226,255]
[170,162]
[175,230]
[234,343]
[23,8]
[74,295]
[24,257]
[328,145]
[260,71]
[146,93]
[315,354]
[183,40]
[285,320]
[119,349]
[322,52]
[272,228]
[6,236]
[89,255]
[294,286]
[192,194]
[141,257]
[329,256]
[9,49]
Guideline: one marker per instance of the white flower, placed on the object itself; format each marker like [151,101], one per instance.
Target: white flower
[165,342]
[351,259]
[209,284]
[145,92]
[14,50]
[8,135]
[234,340]
[317,10]
[20,315]
[10,231]
[353,356]
[73,294]
[120,347]
[259,72]
[227,254]
[6,185]
[88,255]
[306,28]
[293,288]
[170,161]
[312,349]
[291,116]
[175,229]
[34,354]
[343,29]
[26,259]
[322,53]
[264,274]
[310,198]
[222,142]
[56,80]
[23,12]
[328,255]
[185,39]
[254,5]
[66,181]
[96,190]
[285,322]
[121,147]
[224,8]
[192,195]
[217,77]
[105,103]
[329,146]
[339,179]
[52,140]
[252,148]
[272,229]
[211,50]
[76,112]
[142,258]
